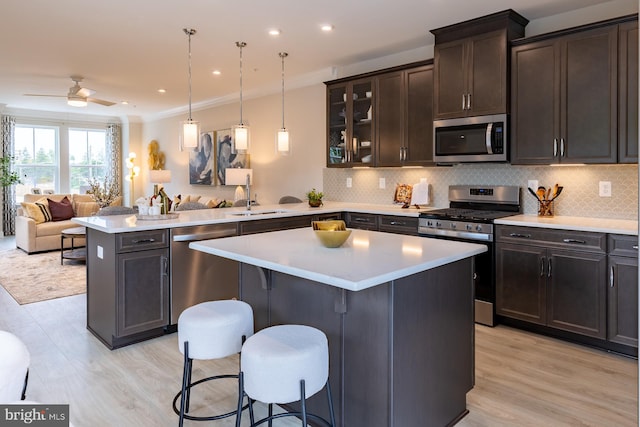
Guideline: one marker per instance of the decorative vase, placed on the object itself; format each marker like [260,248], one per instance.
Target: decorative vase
[315,203]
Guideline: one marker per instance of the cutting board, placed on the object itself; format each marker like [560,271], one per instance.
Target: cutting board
[420,194]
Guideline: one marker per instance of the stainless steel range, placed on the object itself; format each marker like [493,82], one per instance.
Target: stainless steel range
[472,210]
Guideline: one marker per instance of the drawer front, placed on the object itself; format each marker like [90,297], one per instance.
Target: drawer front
[264,225]
[362,221]
[623,245]
[566,239]
[142,240]
[398,224]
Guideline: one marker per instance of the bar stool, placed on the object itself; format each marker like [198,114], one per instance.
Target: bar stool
[284,364]
[210,330]
[14,367]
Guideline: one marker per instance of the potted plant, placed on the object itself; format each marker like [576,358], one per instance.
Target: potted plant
[8,177]
[315,198]
[105,193]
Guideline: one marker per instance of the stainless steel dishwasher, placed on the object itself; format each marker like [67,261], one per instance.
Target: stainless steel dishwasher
[196,276]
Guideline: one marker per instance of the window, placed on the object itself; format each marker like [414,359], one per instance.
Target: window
[87,157]
[58,158]
[36,153]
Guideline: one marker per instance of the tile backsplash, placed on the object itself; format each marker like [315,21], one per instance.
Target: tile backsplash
[579,197]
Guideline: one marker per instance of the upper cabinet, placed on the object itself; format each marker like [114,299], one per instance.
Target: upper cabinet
[573,101]
[381,119]
[471,63]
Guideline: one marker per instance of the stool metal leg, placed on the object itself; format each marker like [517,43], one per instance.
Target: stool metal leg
[185,380]
[23,396]
[270,414]
[303,404]
[333,418]
[240,398]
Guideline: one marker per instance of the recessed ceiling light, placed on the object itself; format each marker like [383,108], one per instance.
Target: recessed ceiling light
[326,27]
[216,72]
[162,91]
[274,32]
[125,102]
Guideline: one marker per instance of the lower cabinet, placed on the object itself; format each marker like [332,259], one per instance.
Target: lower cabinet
[362,221]
[623,290]
[127,285]
[552,278]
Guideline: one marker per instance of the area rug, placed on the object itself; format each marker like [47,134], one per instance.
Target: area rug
[40,277]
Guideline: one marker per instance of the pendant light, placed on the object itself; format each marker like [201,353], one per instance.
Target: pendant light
[240,131]
[283,144]
[190,130]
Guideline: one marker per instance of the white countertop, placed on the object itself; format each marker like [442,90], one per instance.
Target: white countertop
[126,223]
[366,259]
[599,225]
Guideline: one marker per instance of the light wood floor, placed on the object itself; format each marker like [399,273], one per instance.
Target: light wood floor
[522,379]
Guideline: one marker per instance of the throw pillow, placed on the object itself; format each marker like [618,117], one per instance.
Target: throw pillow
[61,210]
[86,208]
[38,211]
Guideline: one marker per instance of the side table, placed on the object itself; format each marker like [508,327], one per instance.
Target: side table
[78,254]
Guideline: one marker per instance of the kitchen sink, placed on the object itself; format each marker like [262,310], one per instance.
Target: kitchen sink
[257,212]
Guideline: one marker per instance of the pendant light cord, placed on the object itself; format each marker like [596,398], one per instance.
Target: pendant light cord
[189,32]
[283,55]
[241,45]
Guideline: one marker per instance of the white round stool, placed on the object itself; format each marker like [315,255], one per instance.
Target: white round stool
[14,367]
[284,364]
[210,330]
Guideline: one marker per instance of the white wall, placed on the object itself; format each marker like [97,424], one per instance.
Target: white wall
[273,175]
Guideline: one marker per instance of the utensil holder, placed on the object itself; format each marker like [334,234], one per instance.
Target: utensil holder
[545,208]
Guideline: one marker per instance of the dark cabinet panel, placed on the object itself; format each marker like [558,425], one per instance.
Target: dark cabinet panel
[419,107]
[361,221]
[390,118]
[623,290]
[628,93]
[450,80]
[398,224]
[565,98]
[274,224]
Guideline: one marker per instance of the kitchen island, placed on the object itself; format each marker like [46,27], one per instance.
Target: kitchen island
[398,312]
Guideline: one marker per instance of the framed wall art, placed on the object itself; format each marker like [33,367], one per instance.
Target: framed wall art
[202,161]
[225,157]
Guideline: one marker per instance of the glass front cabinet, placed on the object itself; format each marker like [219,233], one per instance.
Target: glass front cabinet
[349,123]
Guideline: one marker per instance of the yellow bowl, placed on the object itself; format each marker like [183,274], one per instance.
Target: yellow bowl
[333,238]
[329,225]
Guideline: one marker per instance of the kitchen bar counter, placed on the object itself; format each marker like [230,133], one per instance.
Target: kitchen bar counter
[397,310]
[599,225]
[366,259]
[126,223]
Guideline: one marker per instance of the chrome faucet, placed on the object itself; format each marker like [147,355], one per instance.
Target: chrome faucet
[248,192]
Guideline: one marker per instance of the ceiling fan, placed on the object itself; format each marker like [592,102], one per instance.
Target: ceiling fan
[78,96]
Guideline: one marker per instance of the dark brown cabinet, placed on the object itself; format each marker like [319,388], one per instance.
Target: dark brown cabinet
[404,117]
[565,106]
[628,93]
[554,278]
[362,221]
[623,290]
[471,64]
[383,118]
[127,285]
[398,224]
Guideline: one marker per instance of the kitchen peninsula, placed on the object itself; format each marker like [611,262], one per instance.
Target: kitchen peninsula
[398,312]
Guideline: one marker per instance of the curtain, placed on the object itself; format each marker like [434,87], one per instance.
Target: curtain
[114,157]
[8,124]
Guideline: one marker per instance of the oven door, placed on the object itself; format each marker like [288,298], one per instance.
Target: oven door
[483,280]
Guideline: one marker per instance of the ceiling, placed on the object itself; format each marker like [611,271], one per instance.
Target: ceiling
[126,50]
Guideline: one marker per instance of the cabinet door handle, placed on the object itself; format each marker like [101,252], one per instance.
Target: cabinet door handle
[635,247]
[463,101]
[541,266]
[405,150]
[520,236]
[165,262]
[555,147]
[561,147]
[469,101]
[549,271]
[401,152]
[150,240]
[575,241]
[361,219]
[397,223]
[611,278]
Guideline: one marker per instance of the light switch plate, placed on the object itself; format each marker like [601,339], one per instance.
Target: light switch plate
[349,182]
[382,183]
[99,251]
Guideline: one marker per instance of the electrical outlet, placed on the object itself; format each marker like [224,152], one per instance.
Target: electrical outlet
[605,188]
[382,183]
[100,252]
[349,182]
[532,184]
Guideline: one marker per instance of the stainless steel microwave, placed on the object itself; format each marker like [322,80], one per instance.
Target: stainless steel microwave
[471,139]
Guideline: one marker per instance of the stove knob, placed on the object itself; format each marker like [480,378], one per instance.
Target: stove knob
[438,224]
[469,227]
[478,227]
[429,224]
[453,226]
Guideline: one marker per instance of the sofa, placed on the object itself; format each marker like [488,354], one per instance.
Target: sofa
[39,223]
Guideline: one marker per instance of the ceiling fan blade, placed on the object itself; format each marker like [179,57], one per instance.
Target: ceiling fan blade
[101,102]
[38,94]
[85,92]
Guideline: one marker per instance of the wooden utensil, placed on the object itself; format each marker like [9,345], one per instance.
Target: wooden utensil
[542,193]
